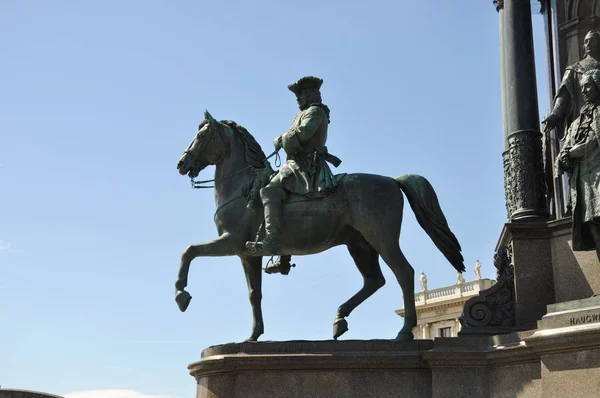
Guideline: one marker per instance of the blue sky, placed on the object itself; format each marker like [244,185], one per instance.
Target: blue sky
[98,101]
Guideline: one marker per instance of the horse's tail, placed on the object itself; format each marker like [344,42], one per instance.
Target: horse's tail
[425,204]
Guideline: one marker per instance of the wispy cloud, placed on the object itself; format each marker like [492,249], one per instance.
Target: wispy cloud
[7,247]
[111,394]
[324,279]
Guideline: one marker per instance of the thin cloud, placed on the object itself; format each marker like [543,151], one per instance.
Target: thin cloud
[4,245]
[323,279]
[111,394]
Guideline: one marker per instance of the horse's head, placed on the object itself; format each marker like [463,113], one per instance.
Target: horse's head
[206,148]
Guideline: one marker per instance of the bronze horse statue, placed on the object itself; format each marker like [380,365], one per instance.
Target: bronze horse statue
[364,213]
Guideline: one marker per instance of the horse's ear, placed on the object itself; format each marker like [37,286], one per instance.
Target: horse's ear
[208,117]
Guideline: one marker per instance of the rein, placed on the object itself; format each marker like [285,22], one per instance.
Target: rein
[226,203]
[199,184]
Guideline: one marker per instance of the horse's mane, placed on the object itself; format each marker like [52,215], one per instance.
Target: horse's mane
[256,158]
[254,153]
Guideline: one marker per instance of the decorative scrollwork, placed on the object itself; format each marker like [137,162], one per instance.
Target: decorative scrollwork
[524,181]
[494,307]
[507,187]
[479,314]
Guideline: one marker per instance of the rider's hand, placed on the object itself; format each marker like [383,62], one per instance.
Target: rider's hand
[278,142]
[551,121]
[563,157]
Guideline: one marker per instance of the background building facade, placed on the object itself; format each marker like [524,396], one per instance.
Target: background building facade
[438,310]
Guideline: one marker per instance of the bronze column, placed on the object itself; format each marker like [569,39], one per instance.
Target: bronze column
[505,160]
[500,8]
[525,185]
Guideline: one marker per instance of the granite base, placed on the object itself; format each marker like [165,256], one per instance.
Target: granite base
[539,363]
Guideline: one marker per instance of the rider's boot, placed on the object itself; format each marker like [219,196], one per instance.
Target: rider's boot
[272,200]
[282,265]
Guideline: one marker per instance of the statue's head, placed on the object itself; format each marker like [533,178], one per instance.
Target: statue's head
[591,43]
[590,83]
[205,149]
[307,91]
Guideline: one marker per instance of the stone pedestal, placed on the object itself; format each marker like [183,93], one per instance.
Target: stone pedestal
[567,341]
[377,368]
[583,279]
[555,362]
[543,270]
[550,271]
[570,314]
[576,274]
[531,248]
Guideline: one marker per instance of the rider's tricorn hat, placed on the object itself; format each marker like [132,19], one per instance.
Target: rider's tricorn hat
[305,83]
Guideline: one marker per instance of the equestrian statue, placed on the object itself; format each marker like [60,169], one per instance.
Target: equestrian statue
[305,209]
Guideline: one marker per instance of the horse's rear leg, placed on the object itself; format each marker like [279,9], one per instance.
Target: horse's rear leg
[405,274]
[367,262]
[253,272]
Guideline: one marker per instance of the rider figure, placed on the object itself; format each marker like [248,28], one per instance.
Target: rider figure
[305,172]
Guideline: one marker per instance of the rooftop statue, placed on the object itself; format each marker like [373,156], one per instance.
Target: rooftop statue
[477,270]
[423,281]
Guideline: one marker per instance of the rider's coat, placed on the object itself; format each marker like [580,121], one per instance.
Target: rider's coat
[306,171]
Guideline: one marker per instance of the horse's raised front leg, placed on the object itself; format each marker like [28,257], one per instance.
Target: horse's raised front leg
[224,245]
[253,271]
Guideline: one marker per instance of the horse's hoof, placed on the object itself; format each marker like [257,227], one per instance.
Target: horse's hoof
[340,326]
[404,337]
[253,337]
[183,299]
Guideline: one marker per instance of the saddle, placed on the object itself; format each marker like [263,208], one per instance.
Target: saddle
[262,177]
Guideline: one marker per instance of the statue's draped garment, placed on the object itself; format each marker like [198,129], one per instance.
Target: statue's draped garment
[584,181]
[570,90]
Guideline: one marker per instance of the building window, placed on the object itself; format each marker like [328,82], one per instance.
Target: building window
[446,332]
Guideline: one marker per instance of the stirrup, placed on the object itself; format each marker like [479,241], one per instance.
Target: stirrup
[278,267]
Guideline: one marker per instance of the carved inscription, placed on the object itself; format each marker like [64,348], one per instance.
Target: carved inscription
[580,320]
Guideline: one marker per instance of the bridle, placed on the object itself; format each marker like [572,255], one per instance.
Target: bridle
[198,184]
[194,155]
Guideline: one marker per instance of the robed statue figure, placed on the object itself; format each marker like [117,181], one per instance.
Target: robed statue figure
[569,100]
[580,157]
